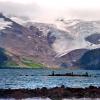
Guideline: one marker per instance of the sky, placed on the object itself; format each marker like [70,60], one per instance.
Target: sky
[48,10]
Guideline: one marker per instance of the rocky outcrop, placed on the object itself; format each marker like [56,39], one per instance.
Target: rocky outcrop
[56,93]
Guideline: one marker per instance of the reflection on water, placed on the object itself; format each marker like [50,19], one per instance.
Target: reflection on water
[82,99]
[53,99]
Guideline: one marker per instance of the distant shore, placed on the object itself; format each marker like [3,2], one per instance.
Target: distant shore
[71,74]
[56,92]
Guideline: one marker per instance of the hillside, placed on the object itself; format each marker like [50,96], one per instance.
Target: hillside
[37,45]
[22,43]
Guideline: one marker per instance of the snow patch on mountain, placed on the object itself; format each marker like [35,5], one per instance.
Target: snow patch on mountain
[70,34]
[4,24]
[18,20]
[79,30]
[62,24]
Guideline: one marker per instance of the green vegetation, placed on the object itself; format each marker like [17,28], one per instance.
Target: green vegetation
[11,64]
[3,58]
[31,63]
[6,61]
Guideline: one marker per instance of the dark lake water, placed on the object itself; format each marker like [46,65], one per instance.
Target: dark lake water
[37,78]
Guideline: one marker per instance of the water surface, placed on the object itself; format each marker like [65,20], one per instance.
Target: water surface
[37,78]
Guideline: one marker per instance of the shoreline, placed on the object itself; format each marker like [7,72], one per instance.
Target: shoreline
[56,92]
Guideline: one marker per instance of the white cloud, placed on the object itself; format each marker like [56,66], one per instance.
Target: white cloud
[48,10]
[61,3]
[18,1]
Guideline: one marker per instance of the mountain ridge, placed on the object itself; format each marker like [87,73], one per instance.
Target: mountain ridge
[44,45]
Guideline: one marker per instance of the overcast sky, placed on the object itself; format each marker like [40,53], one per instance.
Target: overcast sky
[52,9]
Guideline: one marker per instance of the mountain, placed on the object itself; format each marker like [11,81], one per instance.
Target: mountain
[62,43]
[74,32]
[90,60]
[24,44]
[69,60]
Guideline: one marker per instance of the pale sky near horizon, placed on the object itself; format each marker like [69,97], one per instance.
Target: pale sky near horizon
[80,9]
[61,3]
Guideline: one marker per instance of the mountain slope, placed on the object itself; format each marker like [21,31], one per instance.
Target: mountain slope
[69,60]
[90,60]
[22,42]
[74,32]
[46,45]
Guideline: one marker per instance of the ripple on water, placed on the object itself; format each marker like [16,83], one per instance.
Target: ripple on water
[36,98]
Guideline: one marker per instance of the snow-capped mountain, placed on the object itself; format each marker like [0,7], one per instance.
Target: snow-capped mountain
[70,34]
[61,43]
[81,29]
[22,43]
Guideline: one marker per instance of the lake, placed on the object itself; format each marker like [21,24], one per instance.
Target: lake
[37,78]
[54,99]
